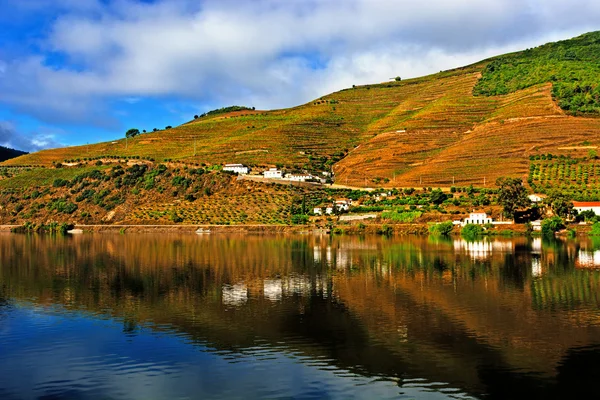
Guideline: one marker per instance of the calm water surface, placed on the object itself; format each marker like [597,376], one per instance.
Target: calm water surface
[210,317]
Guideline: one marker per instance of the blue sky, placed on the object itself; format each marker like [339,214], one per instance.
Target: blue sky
[82,71]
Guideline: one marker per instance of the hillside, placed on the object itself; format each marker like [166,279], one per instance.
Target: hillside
[8,153]
[464,126]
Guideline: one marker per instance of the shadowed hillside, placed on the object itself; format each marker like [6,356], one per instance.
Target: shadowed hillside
[419,132]
[7,153]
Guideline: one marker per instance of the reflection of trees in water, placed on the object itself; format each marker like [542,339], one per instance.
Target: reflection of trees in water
[417,307]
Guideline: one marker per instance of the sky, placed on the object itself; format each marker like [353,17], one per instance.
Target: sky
[83,71]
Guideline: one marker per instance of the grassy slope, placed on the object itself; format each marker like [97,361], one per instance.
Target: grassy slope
[449,132]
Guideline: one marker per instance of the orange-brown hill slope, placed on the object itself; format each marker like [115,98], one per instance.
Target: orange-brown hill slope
[419,132]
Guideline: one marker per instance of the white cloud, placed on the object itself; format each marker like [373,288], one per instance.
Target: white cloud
[263,53]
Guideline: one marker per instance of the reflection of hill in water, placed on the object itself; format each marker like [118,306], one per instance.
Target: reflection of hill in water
[401,307]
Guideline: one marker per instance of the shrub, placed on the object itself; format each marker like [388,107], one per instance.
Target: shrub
[551,225]
[175,217]
[595,229]
[386,230]
[62,206]
[300,219]
[471,230]
[443,228]
[401,216]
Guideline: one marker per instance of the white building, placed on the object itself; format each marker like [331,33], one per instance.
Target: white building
[273,173]
[318,211]
[536,198]
[343,204]
[586,206]
[298,177]
[237,168]
[329,210]
[477,219]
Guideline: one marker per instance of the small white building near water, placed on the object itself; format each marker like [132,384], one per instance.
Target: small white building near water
[237,168]
[273,173]
[587,206]
[477,219]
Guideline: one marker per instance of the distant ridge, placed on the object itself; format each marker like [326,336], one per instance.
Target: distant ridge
[7,153]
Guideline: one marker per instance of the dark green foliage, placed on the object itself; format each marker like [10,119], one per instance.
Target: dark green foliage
[86,194]
[224,110]
[175,217]
[181,181]
[134,174]
[571,65]
[443,228]
[438,197]
[561,204]
[299,219]
[62,206]
[471,231]
[511,195]
[551,225]
[60,183]
[132,133]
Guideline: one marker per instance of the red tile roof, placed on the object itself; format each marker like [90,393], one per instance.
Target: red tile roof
[586,204]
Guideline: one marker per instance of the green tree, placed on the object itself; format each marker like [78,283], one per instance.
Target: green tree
[561,204]
[551,225]
[132,133]
[438,197]
[512,195]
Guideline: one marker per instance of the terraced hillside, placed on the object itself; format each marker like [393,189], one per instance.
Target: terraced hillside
[465,126]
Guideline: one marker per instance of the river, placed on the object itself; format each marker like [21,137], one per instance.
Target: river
[178,316]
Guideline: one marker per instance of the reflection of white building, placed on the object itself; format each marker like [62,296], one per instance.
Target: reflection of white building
[536,267]
[588,259]
[317,254]
[272,289]
[477,249]
[235,295]
[483,248]
[536,246]
[343,259]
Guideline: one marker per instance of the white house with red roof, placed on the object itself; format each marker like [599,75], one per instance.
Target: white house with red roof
[587,205]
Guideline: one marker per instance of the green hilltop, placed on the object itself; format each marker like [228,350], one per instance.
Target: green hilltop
[573,67]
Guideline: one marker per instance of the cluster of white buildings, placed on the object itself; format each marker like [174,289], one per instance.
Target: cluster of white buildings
[341,205]
[275,173]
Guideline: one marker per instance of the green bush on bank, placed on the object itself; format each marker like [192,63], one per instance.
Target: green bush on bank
[443,228]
